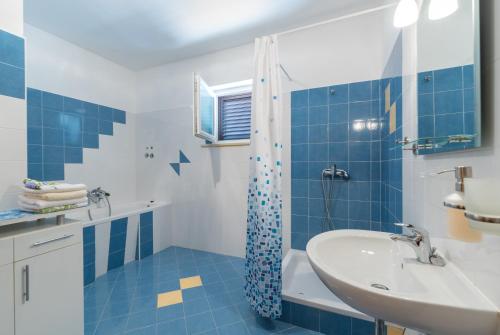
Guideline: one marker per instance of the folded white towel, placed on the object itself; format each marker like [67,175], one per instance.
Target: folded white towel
[32,209]
[40,204]
[55,188]
[56,196]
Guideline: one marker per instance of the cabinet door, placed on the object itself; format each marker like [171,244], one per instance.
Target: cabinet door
[7,299]
[49,293]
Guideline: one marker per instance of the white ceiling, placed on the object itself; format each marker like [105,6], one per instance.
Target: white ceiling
[143,33]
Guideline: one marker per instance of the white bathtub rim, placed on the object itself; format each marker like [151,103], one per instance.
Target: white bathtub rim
[318,303]
[145,207]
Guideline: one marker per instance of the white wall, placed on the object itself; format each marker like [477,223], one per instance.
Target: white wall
[423,194]
[57,66]
[448,42]
[12,119]
[209,198]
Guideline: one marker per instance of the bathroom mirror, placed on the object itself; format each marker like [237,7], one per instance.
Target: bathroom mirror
[449,104]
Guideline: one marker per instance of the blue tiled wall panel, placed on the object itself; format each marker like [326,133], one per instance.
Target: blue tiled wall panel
[335,125]
[146,235]
[12,69]
[446,100]
[117,240]
[88,255]
[325,322]
[60,127]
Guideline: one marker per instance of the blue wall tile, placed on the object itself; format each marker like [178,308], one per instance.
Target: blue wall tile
[347,142]
[34,115]
[35,153]
[300,99]
[53,171]
[117,240]
[68,124]
[35,171]
[318,97]
[360,91]
[91,141]
[146,235]
[448,79]
[52,101]
[339,94]
[105,127]
[12,69]
[73,155]
[11,49]
[119,116]
[12,81]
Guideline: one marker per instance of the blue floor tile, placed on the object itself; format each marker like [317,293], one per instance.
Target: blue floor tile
[124,300]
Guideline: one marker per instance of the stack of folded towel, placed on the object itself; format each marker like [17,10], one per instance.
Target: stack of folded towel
[47,197]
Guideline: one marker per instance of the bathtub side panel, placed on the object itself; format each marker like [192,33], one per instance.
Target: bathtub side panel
[162,228]
[131,243]
[102,234]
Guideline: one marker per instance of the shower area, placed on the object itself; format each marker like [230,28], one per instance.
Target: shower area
[346,173]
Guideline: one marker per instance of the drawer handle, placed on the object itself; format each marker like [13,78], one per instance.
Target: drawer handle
[26,284]
[37,244]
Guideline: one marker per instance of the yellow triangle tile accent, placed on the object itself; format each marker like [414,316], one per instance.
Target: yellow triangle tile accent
[190,282]
[169,298]
[392,330]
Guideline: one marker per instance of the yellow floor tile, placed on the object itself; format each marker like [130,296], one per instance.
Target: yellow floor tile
[190,282]
[169,298]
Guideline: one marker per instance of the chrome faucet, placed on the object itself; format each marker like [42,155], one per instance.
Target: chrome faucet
[97,194]
[420,241]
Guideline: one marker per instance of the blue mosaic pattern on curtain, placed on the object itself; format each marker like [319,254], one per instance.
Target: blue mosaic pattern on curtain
[60,127]
[446,106]
[264,219]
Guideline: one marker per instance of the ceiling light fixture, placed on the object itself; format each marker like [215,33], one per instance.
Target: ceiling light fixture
[406,13]
[439,9]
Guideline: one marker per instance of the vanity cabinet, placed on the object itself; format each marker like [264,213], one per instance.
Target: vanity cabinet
[6,287]
[47,276]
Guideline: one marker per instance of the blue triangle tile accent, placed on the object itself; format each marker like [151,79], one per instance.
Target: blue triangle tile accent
[183,158]
[176,167]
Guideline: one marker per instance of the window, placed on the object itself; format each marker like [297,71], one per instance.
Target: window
[222,114]
[234,117]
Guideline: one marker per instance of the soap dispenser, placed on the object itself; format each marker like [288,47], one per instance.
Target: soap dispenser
[458,226]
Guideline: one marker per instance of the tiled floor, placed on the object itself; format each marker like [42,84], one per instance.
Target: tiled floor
[125,300]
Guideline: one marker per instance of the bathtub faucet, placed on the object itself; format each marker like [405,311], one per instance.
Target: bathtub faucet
[97,194]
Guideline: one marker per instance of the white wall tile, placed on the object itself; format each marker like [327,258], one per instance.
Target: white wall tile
[102,233]
[11,16]
[12,145]
[13,113]
[131,242]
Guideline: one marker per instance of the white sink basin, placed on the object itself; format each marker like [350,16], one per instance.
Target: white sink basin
[432,299]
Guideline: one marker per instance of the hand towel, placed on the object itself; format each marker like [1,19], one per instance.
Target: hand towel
[56,196]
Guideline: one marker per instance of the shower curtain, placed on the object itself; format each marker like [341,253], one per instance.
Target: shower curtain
[264,241]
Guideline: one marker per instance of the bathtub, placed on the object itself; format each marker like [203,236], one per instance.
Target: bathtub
[133,231]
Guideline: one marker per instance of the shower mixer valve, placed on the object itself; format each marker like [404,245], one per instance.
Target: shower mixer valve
[333,172]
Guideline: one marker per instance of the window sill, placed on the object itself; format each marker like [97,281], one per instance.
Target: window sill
[230,143]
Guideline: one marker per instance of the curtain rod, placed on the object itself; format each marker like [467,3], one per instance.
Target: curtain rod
[335,19]
[340,18]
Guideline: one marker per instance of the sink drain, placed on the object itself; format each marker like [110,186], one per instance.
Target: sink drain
[380,287]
